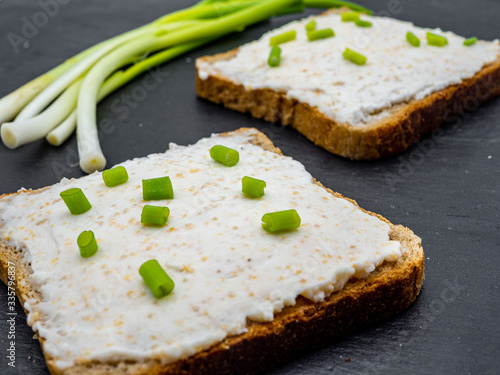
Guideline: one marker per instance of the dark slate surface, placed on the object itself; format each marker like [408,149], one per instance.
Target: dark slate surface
[446,189]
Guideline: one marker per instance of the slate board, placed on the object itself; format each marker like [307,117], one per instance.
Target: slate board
[446,189]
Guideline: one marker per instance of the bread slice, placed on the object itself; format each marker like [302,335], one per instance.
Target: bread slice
[389,289]
[400,126]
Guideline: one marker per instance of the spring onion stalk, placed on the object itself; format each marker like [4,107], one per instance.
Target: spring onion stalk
[470,41]
[225,155]
[362,23]
[436,40]
[350,16]
[87,244]
[89,149]
[115,176]
[320,34]
[283,38]
[274,57]
[60,134]
[412,39]
[156,278]
[253,187]
[311,25]
[76,201]
[280,221]
[157,188]
[354,57]
[154,215]
[336,4]
[15,134]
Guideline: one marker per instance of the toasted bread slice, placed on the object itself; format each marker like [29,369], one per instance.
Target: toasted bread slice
[388,130]
[387,290]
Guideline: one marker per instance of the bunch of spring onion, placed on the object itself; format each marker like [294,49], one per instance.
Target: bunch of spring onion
[64,99]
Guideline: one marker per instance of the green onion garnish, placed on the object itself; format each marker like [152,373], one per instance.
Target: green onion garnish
[157,188]
[76,201]
[225,155]
[154,215]
[412,39]
[253,186]
[283,38]
[354,57]
[436,40]
[470,41]
[156,278]
[362,23]
[115,176]
[280,220]
[311,25]
[87,244]
[320,34]
[274,57]
[350,16]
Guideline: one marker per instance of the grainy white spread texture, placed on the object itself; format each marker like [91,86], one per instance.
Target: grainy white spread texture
[316,73]
[224,265]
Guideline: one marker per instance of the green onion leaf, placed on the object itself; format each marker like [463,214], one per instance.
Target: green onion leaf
[354,57]
[412,39]
[350,16]
[336,4]
[226,155]
[154,215]
[156,278]
[76,201]
[274,57]
[362,23]
[283,38]
[470,41]
[280,220]
[157,188]
[311,25]
[87,243]
[115,176]
[253,186]
[320,34]
[436,40]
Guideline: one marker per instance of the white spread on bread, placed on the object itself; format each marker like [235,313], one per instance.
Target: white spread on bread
[316,73]
[224,265]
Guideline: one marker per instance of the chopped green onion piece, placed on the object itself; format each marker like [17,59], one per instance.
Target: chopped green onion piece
[253,186]
[320,34]
[226,155]
[115,176]
[436,40]
[354,57]
[156,278]
[470,41]
[274,57]
[157,188]
[76,201]
[283,38]
[154,215]
[311,25]
[412,39]
[362,23]
[280,220]
[350,16]
[87,244]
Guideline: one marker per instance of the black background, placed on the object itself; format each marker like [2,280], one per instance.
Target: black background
[445,189]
